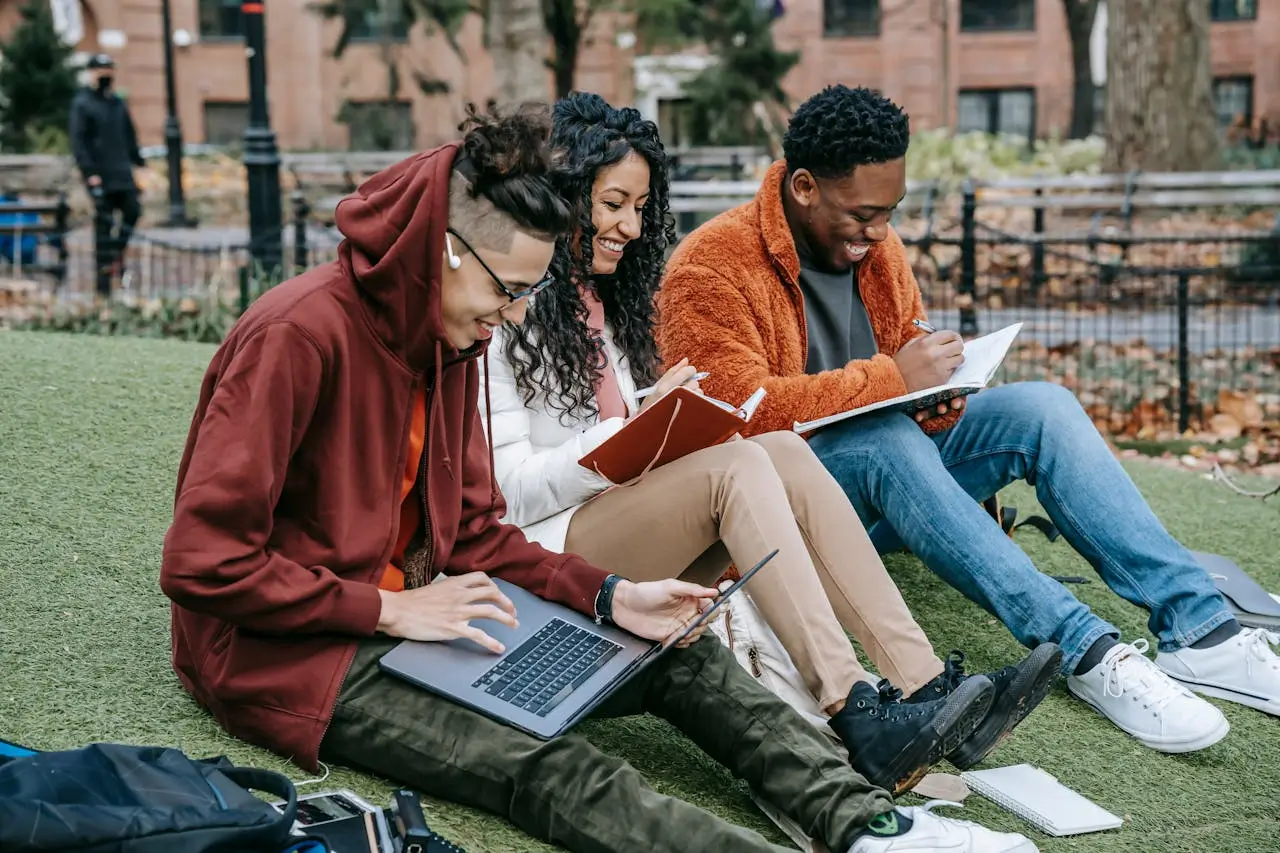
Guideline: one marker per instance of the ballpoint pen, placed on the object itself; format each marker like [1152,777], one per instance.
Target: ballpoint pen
[921,324]
[645,392]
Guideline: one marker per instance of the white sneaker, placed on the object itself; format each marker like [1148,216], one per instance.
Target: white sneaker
[1131,691]
[1244,669]
[932,834]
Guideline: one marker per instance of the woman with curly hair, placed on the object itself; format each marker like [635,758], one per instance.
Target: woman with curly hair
[565,380]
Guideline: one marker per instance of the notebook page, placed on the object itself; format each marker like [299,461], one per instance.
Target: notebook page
[753,402]
[982,356]
[1040,799]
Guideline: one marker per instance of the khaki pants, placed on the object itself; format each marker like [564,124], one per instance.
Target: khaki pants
[753,496]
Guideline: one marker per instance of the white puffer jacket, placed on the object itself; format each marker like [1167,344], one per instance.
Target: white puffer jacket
[536,453]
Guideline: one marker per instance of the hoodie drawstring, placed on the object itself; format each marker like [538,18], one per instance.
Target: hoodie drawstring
[488,416]
[437,413]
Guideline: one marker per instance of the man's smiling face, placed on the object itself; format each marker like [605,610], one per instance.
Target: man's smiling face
[840,218]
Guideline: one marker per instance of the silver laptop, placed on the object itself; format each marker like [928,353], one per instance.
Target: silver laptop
[558,667]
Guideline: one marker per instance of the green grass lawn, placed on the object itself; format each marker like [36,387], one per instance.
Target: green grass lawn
[90,434]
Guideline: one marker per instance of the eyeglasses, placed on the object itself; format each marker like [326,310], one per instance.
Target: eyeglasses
[514,295]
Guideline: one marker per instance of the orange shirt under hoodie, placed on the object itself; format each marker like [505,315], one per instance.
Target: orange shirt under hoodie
[410,512]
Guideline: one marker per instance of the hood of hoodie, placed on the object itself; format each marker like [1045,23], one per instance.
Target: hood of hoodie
[394,227]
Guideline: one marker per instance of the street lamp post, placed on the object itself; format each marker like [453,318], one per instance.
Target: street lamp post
[261,156]
[173,131]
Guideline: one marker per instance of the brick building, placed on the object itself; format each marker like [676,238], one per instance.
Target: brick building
[973,64]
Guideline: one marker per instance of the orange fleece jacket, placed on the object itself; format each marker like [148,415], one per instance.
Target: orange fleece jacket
[730,302]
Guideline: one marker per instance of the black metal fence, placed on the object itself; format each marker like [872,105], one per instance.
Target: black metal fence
[1144,328]
[1148,329]
[61,255]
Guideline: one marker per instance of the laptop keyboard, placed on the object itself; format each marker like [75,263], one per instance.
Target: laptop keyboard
[547,667]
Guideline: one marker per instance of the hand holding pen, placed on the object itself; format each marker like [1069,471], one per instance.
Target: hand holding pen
[680,375]
[929,360]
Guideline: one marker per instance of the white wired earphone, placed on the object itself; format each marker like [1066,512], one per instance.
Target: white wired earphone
[454,260]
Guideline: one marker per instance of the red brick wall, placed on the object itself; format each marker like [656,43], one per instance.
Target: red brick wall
[307,87]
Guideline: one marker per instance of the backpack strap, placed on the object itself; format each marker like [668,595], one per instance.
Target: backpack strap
[271,782]
[1007,518]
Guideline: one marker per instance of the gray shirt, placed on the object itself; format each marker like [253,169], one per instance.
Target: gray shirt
[836,320]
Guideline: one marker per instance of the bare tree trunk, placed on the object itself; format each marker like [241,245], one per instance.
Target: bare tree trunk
[566,29]
[1160,113]
[518,45]
[1080,18]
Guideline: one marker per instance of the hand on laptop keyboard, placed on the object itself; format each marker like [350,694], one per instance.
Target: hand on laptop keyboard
[443,610]
[655,610]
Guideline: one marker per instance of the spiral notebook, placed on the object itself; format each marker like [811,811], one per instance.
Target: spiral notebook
[1041,800]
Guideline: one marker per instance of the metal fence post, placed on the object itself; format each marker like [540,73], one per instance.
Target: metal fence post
[62,222]
[301,211]
[968,288]
[1037,250]
[244,288]
[1184,355]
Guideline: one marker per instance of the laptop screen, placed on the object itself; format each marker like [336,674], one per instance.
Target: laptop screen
[720,599]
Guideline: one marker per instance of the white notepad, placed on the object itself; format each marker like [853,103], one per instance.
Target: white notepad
[1040,800]
[982,358]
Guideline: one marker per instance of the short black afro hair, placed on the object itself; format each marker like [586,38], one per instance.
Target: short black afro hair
[839,129]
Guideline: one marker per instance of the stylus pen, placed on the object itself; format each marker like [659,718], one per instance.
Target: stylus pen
[645,392]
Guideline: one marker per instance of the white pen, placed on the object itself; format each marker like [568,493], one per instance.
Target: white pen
[645,392]
[921,324]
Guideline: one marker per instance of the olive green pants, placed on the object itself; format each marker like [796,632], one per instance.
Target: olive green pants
[568,792]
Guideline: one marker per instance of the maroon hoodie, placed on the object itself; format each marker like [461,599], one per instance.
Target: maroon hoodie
[288,497]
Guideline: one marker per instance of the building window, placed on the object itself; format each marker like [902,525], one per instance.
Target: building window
[385,21]
[1011,111]
[1233,100]
[1233,10]
[220,19]
[225,121]
[378,125]
[989,15]
[850,18]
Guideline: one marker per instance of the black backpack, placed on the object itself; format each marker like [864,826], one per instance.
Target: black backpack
[111,798]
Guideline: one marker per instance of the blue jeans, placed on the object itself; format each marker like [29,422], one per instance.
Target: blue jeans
[924,492]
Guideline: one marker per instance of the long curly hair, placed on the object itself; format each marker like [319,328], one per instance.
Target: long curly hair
[554,354]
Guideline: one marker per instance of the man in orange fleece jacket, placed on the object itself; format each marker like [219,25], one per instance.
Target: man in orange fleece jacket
[807,291]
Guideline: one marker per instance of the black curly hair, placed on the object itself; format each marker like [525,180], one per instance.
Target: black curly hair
[506,158]
[839,129]
[554,353]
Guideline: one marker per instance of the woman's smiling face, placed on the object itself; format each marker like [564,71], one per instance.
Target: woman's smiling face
[618,197]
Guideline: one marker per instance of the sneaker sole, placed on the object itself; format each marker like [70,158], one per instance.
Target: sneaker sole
[963,712]
[1256,702]
[1171,747]
[966,708]
[1029,687]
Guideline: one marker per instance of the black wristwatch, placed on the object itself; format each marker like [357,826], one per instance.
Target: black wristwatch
[604,599]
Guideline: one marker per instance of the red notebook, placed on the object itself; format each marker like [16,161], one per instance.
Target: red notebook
[682,422]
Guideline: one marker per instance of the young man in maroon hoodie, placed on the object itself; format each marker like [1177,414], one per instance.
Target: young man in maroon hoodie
[337,465]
